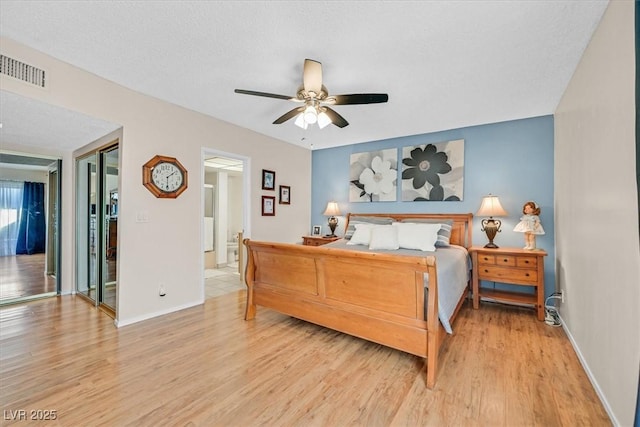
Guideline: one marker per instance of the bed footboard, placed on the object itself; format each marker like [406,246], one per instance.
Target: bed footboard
[349,291]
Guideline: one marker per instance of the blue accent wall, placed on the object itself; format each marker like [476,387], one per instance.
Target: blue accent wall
[513,160]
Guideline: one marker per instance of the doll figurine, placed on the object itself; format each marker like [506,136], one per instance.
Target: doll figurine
[530,225]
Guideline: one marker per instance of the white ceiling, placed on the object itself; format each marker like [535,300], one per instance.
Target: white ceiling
[26,122]
[444,64]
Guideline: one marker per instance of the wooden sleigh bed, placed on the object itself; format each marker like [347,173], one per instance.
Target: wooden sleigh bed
[377,296]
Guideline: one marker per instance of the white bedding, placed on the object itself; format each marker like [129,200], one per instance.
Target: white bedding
[453,266]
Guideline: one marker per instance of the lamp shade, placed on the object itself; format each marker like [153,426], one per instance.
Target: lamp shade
[300,121]
[332,209]
[491,206]
[323,120]
[310,114]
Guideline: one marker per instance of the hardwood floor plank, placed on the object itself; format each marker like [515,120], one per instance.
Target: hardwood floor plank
[23,276]
[206,366]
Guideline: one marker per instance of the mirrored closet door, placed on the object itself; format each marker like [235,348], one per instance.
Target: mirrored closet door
[97,210]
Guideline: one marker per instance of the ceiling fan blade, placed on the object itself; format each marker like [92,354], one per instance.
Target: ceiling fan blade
[312,76]
[359,98]
[336,118]
[265,94]
[288,115]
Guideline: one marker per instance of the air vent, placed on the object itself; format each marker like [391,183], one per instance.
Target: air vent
[21,71]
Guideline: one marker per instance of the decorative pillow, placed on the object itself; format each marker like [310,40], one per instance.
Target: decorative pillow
[384,237]
[353,220]
[361,235]
[417,236]
[444,235]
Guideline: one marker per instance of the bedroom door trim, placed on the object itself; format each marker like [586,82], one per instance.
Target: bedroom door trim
[246,199]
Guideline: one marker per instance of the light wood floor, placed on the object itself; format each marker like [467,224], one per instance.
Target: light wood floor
[206,366]
[23,276]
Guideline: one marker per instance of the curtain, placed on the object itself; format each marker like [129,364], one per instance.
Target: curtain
[10,207]
[32,231]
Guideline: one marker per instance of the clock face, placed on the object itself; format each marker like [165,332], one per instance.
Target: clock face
[167,177]
[164,177]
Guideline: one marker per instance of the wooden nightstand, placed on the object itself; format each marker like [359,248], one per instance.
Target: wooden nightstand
[513,266]
[317,240]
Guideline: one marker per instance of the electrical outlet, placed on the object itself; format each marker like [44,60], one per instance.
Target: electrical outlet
[162,292]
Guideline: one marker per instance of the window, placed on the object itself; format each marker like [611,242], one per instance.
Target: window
[10,207]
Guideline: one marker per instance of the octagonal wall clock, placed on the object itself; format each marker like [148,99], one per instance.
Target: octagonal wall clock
[164,177]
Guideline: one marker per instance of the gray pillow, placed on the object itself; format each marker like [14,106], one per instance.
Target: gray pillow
[353,220]
[444,235]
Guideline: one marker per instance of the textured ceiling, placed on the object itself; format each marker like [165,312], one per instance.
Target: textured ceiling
[26,122]
[444,64]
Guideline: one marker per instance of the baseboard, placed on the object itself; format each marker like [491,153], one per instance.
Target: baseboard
[120,322]
[590,375]
[27,298]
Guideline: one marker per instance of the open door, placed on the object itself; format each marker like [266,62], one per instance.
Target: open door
[29,223]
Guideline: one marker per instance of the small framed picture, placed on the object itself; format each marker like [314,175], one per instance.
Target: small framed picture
[268,180]
[317,230]
[285,195]
[268,206]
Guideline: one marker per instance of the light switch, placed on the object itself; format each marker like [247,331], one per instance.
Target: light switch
[142,216]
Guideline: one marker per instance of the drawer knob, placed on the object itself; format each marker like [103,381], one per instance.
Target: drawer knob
[526,274]
[526,261]
[504,260]
[486,259]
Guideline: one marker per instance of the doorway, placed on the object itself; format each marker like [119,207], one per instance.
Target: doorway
[97,200]
[29,218]
[225,212]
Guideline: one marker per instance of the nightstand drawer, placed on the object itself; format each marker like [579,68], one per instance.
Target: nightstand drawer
[317,240]
[486,259]
[508,275]
[506,260]
[527,261]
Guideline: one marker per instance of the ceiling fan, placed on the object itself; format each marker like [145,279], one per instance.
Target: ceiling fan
[316,101]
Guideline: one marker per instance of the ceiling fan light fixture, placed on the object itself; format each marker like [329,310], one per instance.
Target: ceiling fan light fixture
[323,120]
[313,100]
[300,122]
[310,114]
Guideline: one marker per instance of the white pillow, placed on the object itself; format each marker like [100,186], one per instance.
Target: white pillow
[444,235]
[417,236]
[384,237]
[362,235]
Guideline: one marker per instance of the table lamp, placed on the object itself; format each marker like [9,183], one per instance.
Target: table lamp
[491,207]
[331,211]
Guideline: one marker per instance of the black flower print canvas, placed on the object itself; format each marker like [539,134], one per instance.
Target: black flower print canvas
[433,172]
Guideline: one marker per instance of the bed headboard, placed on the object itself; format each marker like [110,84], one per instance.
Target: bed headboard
[460,231]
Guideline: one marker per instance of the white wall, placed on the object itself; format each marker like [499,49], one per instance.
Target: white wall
[235,206]
[221,216]
[167,249]
[596,206]
[22,174]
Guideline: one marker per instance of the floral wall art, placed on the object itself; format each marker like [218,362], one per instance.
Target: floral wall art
[373,176]
[433,172]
